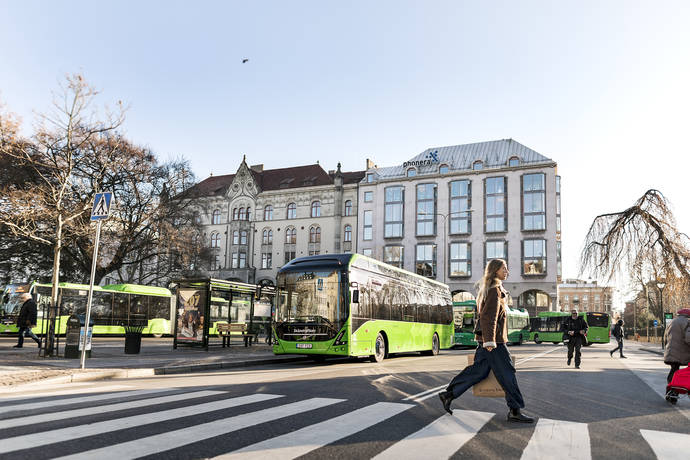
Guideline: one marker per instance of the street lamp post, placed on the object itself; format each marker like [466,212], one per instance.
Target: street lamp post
[661,287]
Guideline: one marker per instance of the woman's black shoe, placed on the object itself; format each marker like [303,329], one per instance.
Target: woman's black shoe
[516,416]
[446,399]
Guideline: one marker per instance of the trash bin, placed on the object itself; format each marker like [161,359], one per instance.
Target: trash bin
[133,339]
[73,336]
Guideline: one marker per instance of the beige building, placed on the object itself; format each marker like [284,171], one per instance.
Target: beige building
[257,220]
[447,211]
[584,296]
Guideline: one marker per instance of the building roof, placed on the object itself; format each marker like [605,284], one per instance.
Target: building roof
[275,179]
[461,157]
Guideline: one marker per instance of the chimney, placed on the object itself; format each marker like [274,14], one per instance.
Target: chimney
[258,168]
[370,164]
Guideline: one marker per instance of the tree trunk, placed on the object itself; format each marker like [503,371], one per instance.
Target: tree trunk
[53,309]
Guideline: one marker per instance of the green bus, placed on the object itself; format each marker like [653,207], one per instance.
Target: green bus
[463,321]
[352,305]
[112,307]
[599,327]
[518,326]
[547,326]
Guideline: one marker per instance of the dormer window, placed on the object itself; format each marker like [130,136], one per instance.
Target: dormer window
[285,183]
[443,169]
[411,172]
[370,177]
[477,165]
[514,161]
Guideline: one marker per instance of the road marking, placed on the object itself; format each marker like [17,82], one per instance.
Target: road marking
[33,419]
[50,403]
[440,439]
[178,438]
[312,437]
[32,395]
[538,355]
[667,446]
[418,395]
[556,439]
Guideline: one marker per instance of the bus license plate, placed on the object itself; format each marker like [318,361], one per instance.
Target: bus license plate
[304,345]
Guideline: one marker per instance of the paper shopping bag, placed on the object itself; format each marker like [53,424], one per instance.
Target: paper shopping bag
[489,387]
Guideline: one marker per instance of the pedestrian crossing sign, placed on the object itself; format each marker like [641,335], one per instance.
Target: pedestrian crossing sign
[101,205]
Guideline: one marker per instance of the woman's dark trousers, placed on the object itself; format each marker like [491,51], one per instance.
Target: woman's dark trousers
[619,347]
[498,361]
[674,368]
[574,344]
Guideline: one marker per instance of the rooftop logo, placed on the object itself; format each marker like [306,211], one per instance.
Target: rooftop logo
[430,158]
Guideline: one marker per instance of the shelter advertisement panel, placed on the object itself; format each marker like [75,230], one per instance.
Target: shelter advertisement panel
[191,315]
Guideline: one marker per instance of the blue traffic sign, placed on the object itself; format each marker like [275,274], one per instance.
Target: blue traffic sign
[656,323]
[101,205]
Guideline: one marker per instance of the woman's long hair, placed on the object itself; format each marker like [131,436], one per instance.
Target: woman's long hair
[489,279]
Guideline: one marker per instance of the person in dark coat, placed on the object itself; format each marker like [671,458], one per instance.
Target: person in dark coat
[491,354]
[677,351]
[575,328]
[618,334]
[27,320]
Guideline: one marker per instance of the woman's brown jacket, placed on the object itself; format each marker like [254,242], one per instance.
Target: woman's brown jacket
[492,314]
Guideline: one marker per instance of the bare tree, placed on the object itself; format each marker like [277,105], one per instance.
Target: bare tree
[643,243]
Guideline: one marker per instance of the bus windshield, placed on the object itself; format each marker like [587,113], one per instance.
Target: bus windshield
[310,298]
[597,320]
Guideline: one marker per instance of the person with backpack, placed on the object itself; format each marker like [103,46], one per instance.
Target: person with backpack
[27,320]
[618,334]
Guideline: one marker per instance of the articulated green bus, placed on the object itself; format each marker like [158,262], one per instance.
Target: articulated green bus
[547,326]
[464,319]
[352,305]
[112,307]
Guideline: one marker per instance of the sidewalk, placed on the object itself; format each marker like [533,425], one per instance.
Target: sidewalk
[108,360]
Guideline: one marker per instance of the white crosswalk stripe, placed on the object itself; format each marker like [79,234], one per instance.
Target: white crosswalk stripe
[69,391]
[81,431]
[556,439]
[668,446]
[440,439]
[312,437]
[50,417]
[182,437]
[24,406]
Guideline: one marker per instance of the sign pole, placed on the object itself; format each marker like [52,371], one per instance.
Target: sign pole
[88,302]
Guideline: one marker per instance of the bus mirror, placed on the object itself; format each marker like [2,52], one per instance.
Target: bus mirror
[355,296]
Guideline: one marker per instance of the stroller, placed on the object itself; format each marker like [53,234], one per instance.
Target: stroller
[680,385]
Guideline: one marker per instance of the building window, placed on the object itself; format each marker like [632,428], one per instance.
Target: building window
[496,250]
[236,237]
[316,209]
[534,257]
[243,237]
[348,208]
[393,212]
[291,211]
[348,234]
[514,161]
[267,237]
[411,172]
[315,235]
[443,169]
[426,209]
[242,214]
[249,214]
[558,203]
[394,255]
[368,197]
[370,177]
[268,212]
[367,229]
[291,235]
[426,260]
[533,202]
[266,260]
[460,202]
[215,219]
[243,260]
[215,240]
[558,259]
[234,260]
[289,254]
[477,165]
[234,214]
[566,297]
[460,259]
[366,252]
[215,262]
[495,209]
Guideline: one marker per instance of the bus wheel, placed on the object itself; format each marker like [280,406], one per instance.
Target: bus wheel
[435,346]
[536,340]
[380,348]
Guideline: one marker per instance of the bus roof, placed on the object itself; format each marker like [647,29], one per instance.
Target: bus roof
[138,289]
[546,314]
[65,285]
[357,257]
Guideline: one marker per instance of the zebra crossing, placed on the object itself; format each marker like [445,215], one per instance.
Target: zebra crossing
[57,424]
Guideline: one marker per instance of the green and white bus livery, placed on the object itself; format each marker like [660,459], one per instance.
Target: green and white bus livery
[352,305]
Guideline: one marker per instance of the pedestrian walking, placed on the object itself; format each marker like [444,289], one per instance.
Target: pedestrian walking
[492,355]
[575,329]
[677,351]
[618,334]
[27,320]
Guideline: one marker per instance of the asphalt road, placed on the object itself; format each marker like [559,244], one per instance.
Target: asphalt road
[611,408]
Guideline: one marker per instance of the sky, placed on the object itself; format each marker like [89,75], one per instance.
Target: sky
[600,87]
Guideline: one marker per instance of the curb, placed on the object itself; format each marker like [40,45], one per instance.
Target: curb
[223,365]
